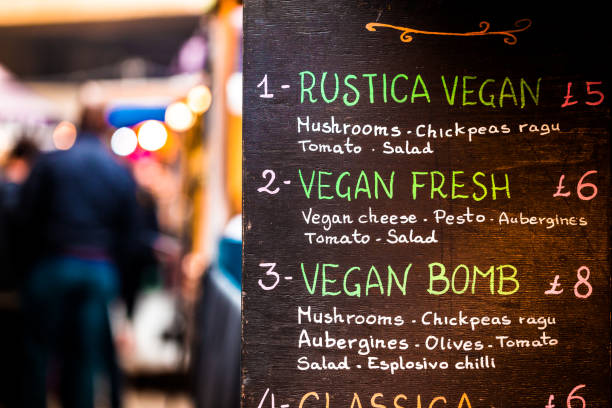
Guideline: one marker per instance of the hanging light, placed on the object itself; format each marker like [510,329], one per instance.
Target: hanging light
[179,117]
[152,135]
[199,99]
[124,141]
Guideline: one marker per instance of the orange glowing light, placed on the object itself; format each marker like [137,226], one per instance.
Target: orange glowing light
[199,99]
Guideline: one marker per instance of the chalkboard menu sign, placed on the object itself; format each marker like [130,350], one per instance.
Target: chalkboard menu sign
[426,205]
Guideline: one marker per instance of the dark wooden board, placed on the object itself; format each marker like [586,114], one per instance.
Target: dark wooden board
[292,42]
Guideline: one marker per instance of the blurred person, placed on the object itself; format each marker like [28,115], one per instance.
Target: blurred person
[19,160]
[80,214]
[140,271]
[140,268]
[15,170]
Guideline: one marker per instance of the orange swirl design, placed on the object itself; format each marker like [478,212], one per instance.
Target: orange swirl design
[407,33]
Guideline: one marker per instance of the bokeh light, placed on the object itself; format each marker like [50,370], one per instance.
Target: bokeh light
[124,141]
[192,56]
[233,90]
[64,135]
[179,117]
[152,135]
[199,99]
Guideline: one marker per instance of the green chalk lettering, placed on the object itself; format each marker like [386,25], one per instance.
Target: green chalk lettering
[322,186]
[503,94]
[415,185]
[379,181]
[392,277]
[491,101]
[377,284]
[336,88]
[437,188]
[479,184]
[325,281]
[525,86]
[363,178]
[450,98]
[371,85]
[466,91]
[393,88]
[309,189]
[310,288]
[478,272]
[503,279]
[455,185]
[347,193]
[309,89]
[467,279]
[437,277]
[505,188]
[345,97]
[355,292]
[423,94]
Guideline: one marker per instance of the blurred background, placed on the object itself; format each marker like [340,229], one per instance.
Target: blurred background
[163,81]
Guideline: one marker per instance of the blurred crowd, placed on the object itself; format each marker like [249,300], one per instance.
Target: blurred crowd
[120,201]
[77,231]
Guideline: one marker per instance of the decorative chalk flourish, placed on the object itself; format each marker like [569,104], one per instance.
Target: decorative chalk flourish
[521,25]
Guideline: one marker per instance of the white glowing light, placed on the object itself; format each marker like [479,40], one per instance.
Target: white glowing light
[179,117]
[233,90]
[152,135]
[199,99]
[64,135]
[236,18]
[124,141]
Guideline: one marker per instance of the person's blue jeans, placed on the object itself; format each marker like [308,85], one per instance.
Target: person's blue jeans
[66,308]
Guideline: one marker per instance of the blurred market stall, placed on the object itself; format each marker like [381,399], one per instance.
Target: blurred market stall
[164,79]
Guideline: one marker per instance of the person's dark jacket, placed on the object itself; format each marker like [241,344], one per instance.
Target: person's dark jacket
[80,201]
[9,201]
